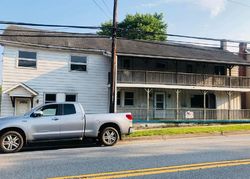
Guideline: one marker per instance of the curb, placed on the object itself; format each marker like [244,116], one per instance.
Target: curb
[180,136]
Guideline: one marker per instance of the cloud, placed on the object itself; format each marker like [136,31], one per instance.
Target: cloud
[215,7]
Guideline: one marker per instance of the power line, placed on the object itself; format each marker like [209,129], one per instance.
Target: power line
[49,25]
[98,27]
[106,5]
[100,7]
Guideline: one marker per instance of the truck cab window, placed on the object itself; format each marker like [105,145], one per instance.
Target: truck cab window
[69,109]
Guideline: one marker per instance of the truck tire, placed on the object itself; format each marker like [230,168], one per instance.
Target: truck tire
[11,142]
[109,136]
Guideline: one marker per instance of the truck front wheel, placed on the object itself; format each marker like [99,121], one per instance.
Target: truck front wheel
[11,142]
[109,136]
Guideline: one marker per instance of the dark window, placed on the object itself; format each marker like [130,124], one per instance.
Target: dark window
[161,66]
[27,59]
[70,98]
[78,63]
[197,101]
[189,68]
[127,64]
[129,99]
[220,70]
[69,109]
[50,110]
[118,98]
[160,101]
[50,98]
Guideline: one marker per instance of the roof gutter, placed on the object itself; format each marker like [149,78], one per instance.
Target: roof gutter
[5,42]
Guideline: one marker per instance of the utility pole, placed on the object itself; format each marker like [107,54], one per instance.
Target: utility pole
[113,74]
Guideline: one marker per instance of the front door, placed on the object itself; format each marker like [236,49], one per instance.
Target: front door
[22,106]
[159,104]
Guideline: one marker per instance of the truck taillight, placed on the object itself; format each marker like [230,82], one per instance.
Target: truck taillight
[129,116]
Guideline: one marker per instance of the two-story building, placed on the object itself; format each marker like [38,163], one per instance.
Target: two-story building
[154,80]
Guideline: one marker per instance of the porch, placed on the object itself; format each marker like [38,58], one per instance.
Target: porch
[178,105]
[182,79]
[189,114]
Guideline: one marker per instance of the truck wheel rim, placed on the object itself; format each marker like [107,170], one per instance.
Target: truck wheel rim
[11,142]
[110,137]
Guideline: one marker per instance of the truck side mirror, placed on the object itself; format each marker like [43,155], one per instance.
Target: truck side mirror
[37,114]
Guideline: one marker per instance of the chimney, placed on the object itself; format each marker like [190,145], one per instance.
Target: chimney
[243,72]
[243,50]
[223,44]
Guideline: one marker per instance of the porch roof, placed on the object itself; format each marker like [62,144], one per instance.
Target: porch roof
[174,87]
[21,90]
[101,44]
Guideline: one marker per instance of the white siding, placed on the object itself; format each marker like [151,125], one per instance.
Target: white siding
[53,76]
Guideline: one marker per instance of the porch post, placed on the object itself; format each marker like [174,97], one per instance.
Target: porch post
[229,93]
[230,74]
[204,105]
[176,72]
[148,93]
[177,103]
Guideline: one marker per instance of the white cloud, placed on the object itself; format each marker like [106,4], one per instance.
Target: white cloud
[215,7]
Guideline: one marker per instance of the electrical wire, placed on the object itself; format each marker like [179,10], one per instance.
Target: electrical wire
[49,25]
[106,5]
[100,7]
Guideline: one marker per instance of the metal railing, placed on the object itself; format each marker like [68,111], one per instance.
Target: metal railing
[188,114]
[187,79]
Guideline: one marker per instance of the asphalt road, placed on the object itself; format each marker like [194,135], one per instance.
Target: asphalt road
[150,159]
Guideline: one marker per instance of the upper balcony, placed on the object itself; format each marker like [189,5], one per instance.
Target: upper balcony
[182,79]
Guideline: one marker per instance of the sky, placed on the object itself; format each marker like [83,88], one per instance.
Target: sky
[223,19]
[208,18]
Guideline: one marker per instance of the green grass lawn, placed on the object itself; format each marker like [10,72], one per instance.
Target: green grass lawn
[191,130]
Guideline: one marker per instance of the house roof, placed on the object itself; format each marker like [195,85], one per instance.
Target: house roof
[94,43]
[24,91]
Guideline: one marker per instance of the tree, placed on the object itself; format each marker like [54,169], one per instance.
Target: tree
[138,26]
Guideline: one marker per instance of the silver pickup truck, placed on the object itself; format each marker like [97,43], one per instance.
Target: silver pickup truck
[60,121]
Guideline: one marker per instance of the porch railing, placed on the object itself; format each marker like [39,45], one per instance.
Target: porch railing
[188,114]
[187,79]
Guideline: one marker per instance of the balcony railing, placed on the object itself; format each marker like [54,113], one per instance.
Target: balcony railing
[187,79]
[188,114]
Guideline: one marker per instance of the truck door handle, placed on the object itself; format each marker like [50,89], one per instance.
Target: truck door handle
[55,119]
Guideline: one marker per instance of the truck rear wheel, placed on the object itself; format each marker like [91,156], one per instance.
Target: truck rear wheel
[11,142]
[109,136]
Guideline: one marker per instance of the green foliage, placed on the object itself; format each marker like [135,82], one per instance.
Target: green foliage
[139,26]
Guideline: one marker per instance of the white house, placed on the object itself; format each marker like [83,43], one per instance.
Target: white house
[155,80]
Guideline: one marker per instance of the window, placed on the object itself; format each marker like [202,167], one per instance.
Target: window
[50,110]
[127,64]
[69,109]
[129,99]
[78,63]
[160,101]
[189,68]
[27,59]
[197,101]
[161,66]
[118,98]
[50,98]
[70,98]
[220,70]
